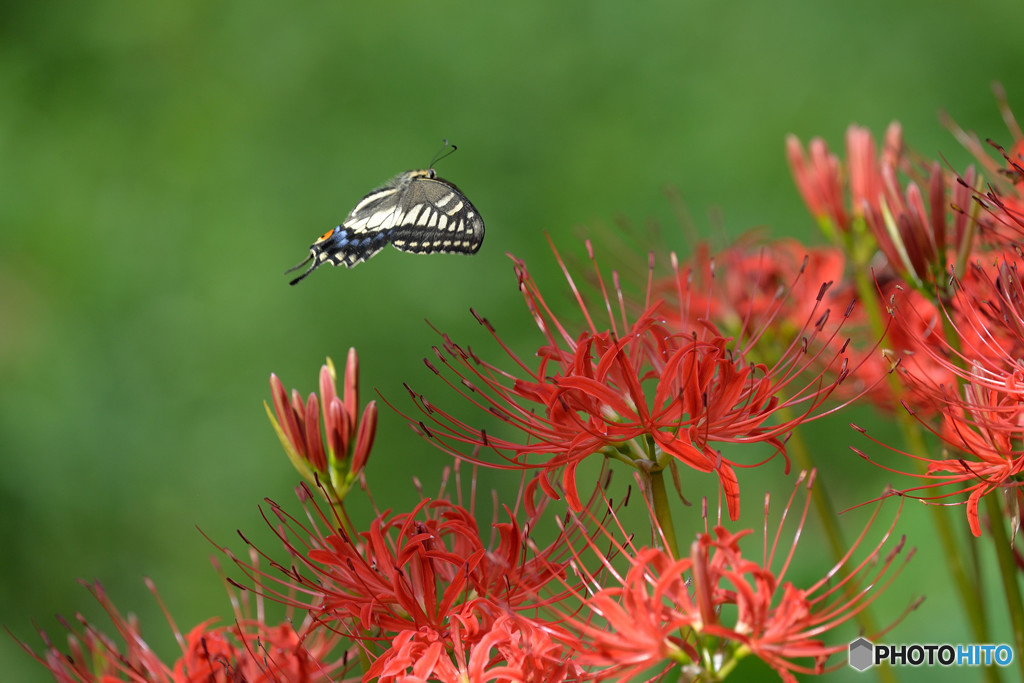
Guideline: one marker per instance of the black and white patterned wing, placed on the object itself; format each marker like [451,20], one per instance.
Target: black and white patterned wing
[435,217]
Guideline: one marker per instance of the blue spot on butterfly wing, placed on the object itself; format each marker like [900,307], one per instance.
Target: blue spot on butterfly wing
[339,240]
[345,239]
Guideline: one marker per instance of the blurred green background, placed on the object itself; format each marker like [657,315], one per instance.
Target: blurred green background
[161,164]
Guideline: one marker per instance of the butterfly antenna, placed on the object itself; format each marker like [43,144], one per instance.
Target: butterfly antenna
[447,149]
[308,270]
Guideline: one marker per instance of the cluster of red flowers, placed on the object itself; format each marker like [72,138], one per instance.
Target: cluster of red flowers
[951,282]
[249,649]
[713,354]
[649,612]
[652,393]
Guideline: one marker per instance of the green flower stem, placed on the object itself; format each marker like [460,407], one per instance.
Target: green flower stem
[662,513]
[737,656]
[342,519]
[1008,569]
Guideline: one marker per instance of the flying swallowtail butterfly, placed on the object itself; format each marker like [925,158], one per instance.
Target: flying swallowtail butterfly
[416,212]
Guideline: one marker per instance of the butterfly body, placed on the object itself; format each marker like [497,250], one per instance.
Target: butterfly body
[415,212]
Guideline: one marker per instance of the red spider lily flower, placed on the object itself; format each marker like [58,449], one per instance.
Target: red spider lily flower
[706,611]
[976,385]
[915,229]
[402,588]
[641,392]
[920,230]
[513,649]
[986,427]
[974,333]
[246,650]
[913,336]
[348,438]
[750,285]
[822,180]
[761,292]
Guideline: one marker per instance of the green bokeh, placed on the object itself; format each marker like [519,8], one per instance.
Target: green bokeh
[162,164]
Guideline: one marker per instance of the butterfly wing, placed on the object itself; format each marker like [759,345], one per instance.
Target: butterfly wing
[433,216]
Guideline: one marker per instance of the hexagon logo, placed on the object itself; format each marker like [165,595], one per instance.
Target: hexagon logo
[862,654]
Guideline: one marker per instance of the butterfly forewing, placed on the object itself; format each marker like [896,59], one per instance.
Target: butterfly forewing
[377,211]
[437,218]
[416,212]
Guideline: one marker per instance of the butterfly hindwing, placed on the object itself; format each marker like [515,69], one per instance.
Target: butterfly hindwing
[344,246]
[416,212]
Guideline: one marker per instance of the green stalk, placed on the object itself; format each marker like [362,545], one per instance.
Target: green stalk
[662,513]
[1008,570]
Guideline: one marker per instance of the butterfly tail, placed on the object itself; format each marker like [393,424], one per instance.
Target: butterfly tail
[307,271]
